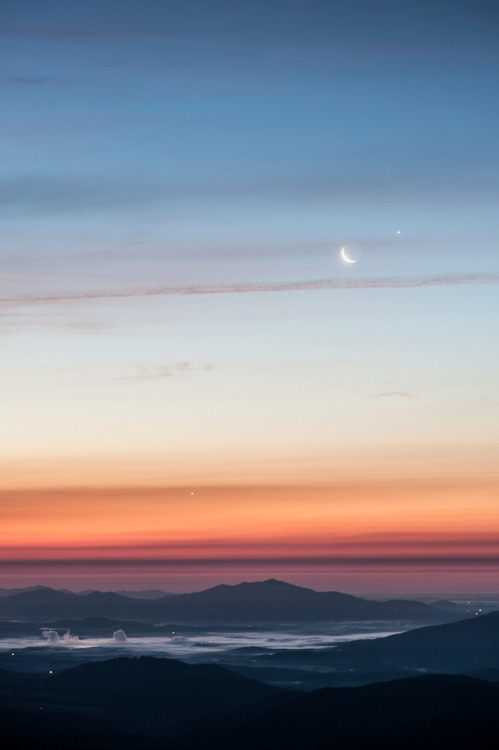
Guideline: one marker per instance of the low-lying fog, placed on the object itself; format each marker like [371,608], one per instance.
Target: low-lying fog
[182,645]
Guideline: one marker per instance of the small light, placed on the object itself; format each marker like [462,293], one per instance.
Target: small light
[12,654]
[50,671]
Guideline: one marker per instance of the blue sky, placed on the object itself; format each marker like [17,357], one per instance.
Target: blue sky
[249,138]
[191,143]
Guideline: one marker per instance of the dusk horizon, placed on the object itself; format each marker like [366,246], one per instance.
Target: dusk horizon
[93,538]
[249,296]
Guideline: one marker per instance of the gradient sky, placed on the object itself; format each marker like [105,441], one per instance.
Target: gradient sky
[195,388]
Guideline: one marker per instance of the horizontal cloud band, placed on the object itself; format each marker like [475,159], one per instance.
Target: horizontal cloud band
[261,287]
[396,561]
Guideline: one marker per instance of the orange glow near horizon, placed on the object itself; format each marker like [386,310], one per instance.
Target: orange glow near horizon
[409,526]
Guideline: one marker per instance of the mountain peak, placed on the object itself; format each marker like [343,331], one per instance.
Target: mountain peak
[271,583]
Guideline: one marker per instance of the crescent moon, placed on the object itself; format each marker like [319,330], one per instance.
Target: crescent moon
[345,256]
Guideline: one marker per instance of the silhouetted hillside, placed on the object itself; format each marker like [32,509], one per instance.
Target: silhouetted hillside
[159,703]
[425,712]
[156,691]
[455,647]
[141,698]
[464,647]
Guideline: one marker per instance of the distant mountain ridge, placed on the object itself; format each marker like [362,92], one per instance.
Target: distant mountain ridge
[13,592]
[132,594]
[264,601]
[144,594]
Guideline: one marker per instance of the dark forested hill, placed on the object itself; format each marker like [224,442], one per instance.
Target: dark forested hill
[453,647]
[159,703]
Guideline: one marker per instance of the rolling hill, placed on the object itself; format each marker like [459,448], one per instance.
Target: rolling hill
[158,703]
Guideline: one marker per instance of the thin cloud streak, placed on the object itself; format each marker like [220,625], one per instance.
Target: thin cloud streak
[146,374]
[31,80]
[470,547]
[270,287]
[342,561]
[395,394]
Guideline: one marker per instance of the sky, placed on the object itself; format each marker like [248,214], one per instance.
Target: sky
[195,387]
